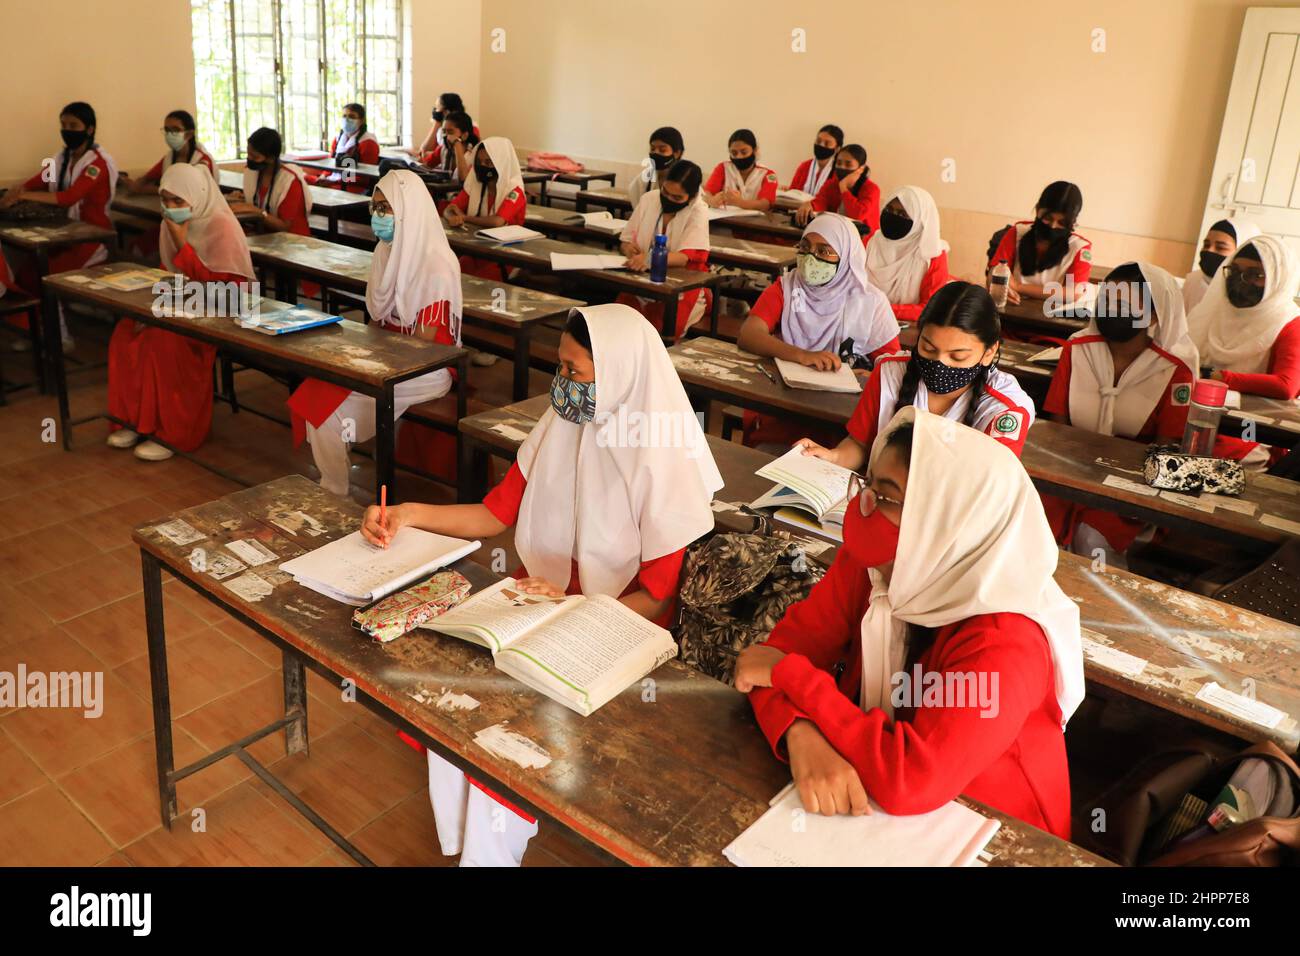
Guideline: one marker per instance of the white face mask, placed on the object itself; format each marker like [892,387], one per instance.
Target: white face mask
[814,271]
[175,140]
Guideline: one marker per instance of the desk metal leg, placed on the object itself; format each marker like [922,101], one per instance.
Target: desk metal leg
[295,702]
[523,359]
[669,328]
[159,688]
[56,374]
[385,443]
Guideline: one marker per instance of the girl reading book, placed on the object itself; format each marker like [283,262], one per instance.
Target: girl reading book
[946,572]
[598,508]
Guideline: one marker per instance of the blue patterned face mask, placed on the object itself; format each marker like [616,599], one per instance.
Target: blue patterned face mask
[573,401]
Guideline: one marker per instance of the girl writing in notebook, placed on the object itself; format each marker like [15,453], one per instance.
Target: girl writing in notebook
[666,148]
[907,257]
[159,382]
[1046,256]
[821,313]
[946,573]
[741,182]
[848,192]
[1129,373]
[493,196]
[353,145]
[952,372]
[413,289]
[182,147]
[595,511]
[1220,242]
[813,173]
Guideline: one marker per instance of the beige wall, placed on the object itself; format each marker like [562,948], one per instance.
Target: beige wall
[445,55]
[915,81]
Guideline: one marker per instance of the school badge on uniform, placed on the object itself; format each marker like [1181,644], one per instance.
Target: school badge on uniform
[1181,395]
[92,171]
[1007,425]
[1086,255]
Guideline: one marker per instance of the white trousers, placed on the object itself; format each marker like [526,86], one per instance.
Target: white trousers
[471,823]
[355,418]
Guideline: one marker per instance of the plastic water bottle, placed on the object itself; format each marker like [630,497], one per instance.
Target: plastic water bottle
[659,259]
[1209,397]
[999,283]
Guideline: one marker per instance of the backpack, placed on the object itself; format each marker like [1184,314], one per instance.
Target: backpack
[736,588]
[553,163]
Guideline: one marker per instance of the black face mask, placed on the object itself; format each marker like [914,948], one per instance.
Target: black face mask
[73,138]
[1052,234]
[1242,294]
[743,162]
[1210,262]
[256,167]
[841,172]
[668,206]
[485,174]
[822,152]
[1120,327]
[438,115]
[661,161]
[894,226]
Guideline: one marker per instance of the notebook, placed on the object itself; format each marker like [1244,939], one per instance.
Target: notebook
[729,212]
[564,261]
[293,318]
[786,835]
[801,376]
[508,234]
[354,571]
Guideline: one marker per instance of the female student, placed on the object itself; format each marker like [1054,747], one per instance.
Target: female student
[813,173]
[907,258]
[592,515]
[950,373]
[493,196]
[159,381]
[849,191]
[1221,241]
[946,575]
[1129,373]
[460,136]
[276,190]
[741,182]
[353,144]
[824,311]
[1046,253]
[414,289]
[674,209]
[666,148]
[182,147]
[431,151]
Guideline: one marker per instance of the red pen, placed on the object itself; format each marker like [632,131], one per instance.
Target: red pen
[383,511]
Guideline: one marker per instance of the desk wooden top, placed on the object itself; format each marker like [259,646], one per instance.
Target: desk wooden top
[1028,314]
[607,196]
[367,170]
[149,206]
[51,236]
[346,352]
[232,179]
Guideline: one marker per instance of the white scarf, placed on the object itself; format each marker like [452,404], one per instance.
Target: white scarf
[748,188]
[1195,283]
[819,318]
[346,141]
[1100,405]
[88,157]
[973,540]
[688,229]
[214,232]
[284,177]
[612,504]
[816,177]
[898,265]
[509,176]
[1241,340]
[417,269]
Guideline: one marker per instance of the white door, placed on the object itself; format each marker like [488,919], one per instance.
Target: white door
[1255,170]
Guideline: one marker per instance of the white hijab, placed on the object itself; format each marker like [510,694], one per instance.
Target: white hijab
[819,318]
[688,229]
[817,176]
[607,503]
[1100,405]
[1240,340]
[417,269]
[284,177]
[898,265]
[1195,283]
[89,156]
[214,232]
[973,540]
[502,153]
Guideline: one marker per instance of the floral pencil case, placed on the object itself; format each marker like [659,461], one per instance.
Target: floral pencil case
[406,610]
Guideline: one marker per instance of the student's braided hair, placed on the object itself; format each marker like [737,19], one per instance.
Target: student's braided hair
[958,305]
[86,113]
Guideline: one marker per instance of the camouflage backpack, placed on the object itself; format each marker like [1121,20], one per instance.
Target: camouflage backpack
[736,588]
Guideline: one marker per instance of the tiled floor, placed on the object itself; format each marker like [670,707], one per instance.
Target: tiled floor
[80,791]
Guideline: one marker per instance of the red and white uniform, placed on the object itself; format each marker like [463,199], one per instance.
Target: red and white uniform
[284,196]
[362,149]
[504,196]
[911,269]
[1076,264]
[434,157]
[200,157]
[760,184]
[86,189]
[810,177]
[688,233]
[861,204]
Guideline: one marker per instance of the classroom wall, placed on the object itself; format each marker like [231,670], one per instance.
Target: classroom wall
[918,83]
[445,56]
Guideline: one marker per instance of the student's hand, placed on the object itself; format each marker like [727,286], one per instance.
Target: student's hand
[804,213]
[381,536]
[639,262]
[179,231]
[731,197]
[863,374]
[851,180]
[810,447]
[240,206]
[1013,297]
[712,200]
[540,586]
[822,361]
[1218,376]
[827,783]
[630,248]
[754,667]
[454,216]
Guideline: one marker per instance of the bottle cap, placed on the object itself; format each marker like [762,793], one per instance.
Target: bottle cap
[661,239]
[1210,392]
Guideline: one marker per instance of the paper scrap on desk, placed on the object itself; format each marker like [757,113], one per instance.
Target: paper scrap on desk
[1113,659]
[251,551]
[1230,503]
[1204,503]
[297,522]
[249,586]
[179,532]
[509,431]
[222,566]
[1125,484]
[453,701]
[1289,426]
[1282,524]
[509,745]
[79,280]
[1247,708]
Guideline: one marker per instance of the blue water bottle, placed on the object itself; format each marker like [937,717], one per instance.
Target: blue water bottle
[659,259]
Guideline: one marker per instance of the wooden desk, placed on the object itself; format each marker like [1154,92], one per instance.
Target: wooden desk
[149,206]
[1027,316]
[366,360]
[330,203]
[487,304]
[362,171]
[615,200]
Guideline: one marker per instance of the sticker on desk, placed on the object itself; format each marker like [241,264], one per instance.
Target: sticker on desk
[509,431]
[222,566]
[1282,524]
[180,532]
[1125,484]
[1229,503]
[249,586]
[1247,708]
[79,280]
[450,700]
[1113,659]
[508,745]
[251,551]
[297,522]
[1203,503]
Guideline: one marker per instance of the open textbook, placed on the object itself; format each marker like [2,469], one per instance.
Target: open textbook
[801,376]
[809,492]
[578,651]
[602,221]
[953,835]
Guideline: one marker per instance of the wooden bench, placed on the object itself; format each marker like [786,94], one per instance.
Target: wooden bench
[14,303]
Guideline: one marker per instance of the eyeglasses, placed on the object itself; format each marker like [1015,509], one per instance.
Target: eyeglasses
[168,129]
[380,209]
[867,497]
[804,248]
[1253,276]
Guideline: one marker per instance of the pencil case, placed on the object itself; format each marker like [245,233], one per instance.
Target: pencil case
[404,611]
[1174,471]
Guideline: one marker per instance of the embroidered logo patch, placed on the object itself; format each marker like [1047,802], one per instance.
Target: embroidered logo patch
[1086,255]
[1182,394]
[514,194]
[771,177]
[93,172]
[1007,425]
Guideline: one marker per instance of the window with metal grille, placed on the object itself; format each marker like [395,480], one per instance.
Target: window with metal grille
[292,65]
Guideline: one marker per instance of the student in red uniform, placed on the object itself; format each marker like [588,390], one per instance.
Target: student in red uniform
[813,173]
[1221,240]
[432,151]
[741,182]
[666,148]
[1046,256]
[593,512]
[952,373]
[414,289]
[908,259]
[460,136]
[849,192]
[676,210]
[493,196]
[354,145]
[159,381]
[823,312]
[1129,373]
[182,147]
[945,577]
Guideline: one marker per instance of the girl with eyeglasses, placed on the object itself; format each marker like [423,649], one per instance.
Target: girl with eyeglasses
[1222,239]
[183,146]
[1045,252]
